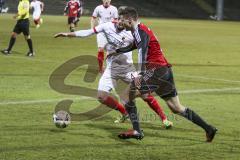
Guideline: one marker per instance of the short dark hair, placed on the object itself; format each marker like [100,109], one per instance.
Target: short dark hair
[121,9]
[129,12]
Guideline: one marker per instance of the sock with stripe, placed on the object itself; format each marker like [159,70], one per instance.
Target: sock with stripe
[195,118]
[100,60]
[133,115]
[114,104]
[152,102]
[29,41]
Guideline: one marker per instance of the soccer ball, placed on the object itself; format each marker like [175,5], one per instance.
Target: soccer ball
[61,119]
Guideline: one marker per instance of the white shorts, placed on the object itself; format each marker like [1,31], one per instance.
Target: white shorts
[101,40]
[108,81]
[36,15]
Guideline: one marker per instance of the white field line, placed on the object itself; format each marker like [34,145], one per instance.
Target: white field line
[207,78]
[196,91]
[28,58]
[208,90]
[43,101]
[180,75]
[23,57]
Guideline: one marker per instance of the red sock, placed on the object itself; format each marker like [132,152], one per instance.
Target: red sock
[112,103]
[152,102]
[100,60]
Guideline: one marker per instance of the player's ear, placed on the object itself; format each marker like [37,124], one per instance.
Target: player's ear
[130,21]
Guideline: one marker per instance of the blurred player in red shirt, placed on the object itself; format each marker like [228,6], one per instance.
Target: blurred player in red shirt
[72,10]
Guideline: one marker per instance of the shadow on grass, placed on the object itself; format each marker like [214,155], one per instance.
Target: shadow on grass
[114,130]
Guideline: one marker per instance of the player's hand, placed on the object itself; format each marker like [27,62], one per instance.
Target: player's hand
[137,81]
[60,35]
[110,54]
[111,50]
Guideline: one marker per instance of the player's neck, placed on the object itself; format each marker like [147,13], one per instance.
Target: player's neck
[106,6]
[135,25]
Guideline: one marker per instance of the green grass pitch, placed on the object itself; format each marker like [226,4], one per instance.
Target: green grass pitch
[206,62]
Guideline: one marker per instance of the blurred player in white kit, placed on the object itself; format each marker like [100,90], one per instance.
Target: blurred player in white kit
[37,7]
[102,14]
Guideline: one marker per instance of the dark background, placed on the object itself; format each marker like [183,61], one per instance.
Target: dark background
[192,9]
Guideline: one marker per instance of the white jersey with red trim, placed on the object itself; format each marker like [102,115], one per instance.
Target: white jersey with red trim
[118,67]
[105,14]
[36,5]
[117,39]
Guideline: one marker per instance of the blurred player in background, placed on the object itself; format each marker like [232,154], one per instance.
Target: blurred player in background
[37,7]
[22,26]
[1,5]
[80,12]
[102,14]
[72,10]
[118,68]
[2,9]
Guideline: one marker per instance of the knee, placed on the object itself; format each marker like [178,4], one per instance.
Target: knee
[100,49]
[27,37]
[176,109]
[102,97]
[147,98]
[14,35]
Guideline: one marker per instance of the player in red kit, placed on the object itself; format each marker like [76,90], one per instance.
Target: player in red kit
[72,10]
[155,76]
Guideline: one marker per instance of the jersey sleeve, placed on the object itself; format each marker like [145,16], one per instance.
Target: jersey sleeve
[115,13]
[84,33]
[143,40]
[95,13]
[100,27]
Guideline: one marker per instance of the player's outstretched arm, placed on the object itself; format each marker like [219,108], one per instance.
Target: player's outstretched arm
[128,48]
[81,33]
[115,52]
[70,34]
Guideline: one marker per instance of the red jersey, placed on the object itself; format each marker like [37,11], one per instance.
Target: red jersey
[150,52]
[72,7]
